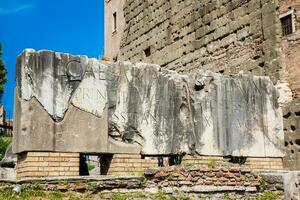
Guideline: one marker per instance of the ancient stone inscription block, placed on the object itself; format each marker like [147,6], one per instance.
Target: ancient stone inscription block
[76,104]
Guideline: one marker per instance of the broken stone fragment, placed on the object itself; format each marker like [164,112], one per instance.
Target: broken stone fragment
[150,171]
[77,104]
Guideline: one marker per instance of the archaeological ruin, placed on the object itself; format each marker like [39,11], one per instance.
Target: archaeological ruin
[227,37]
[73,104]
[194,95]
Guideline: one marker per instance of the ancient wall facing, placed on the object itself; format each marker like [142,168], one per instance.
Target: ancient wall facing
[225,36]
[113,32]
[222,36]
[291,45]
[290,64]
[47,164]
[134,164]
[291,121]
[254,163]
[150,110]
[195,176]
[167,183]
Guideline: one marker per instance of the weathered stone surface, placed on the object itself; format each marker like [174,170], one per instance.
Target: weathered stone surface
[7,173]
[203,113]
[197,179]
[289,181]
[53,79]
[10,159]
[35,130]
[134,188]
[148,109]
[292,185]
[291,121]
[55,111]
[7,165]
[150,171]
[227,36]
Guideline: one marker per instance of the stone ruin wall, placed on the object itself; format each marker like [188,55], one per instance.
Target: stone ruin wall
[291,121]
[290,64]
[176,182]
[112,36]
[228,37]
[140,109]
[222,36]
[291,46]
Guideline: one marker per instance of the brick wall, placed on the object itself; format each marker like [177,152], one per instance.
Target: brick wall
[264,163]
[129,164]
[166,183]
[250,162]
[226,36]
[126,164]
[46,164]
[232,176]
[204,161]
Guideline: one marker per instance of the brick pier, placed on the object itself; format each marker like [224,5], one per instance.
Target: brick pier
[46,164]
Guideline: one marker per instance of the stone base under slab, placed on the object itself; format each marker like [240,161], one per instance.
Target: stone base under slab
[47,164]
[135,164]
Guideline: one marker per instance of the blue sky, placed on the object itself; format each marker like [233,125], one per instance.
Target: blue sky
[73,26]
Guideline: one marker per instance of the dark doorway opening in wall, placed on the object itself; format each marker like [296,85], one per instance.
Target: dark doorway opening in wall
[147,52]
[166,160]
[83,167]
[105,161]
[89,165]
[287,24]
[236,159]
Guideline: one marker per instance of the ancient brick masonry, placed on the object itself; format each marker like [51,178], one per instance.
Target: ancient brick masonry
[264,163]
[134,186]
[226,36]
[129,164]
[202,176]
[41,164]
[251,162]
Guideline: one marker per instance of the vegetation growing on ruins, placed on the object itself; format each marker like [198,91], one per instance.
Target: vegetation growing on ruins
[160,195]
[4,142]
[90,167]
[263,183]
[36,193]
[211,162]
[268,196]
[92,186]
